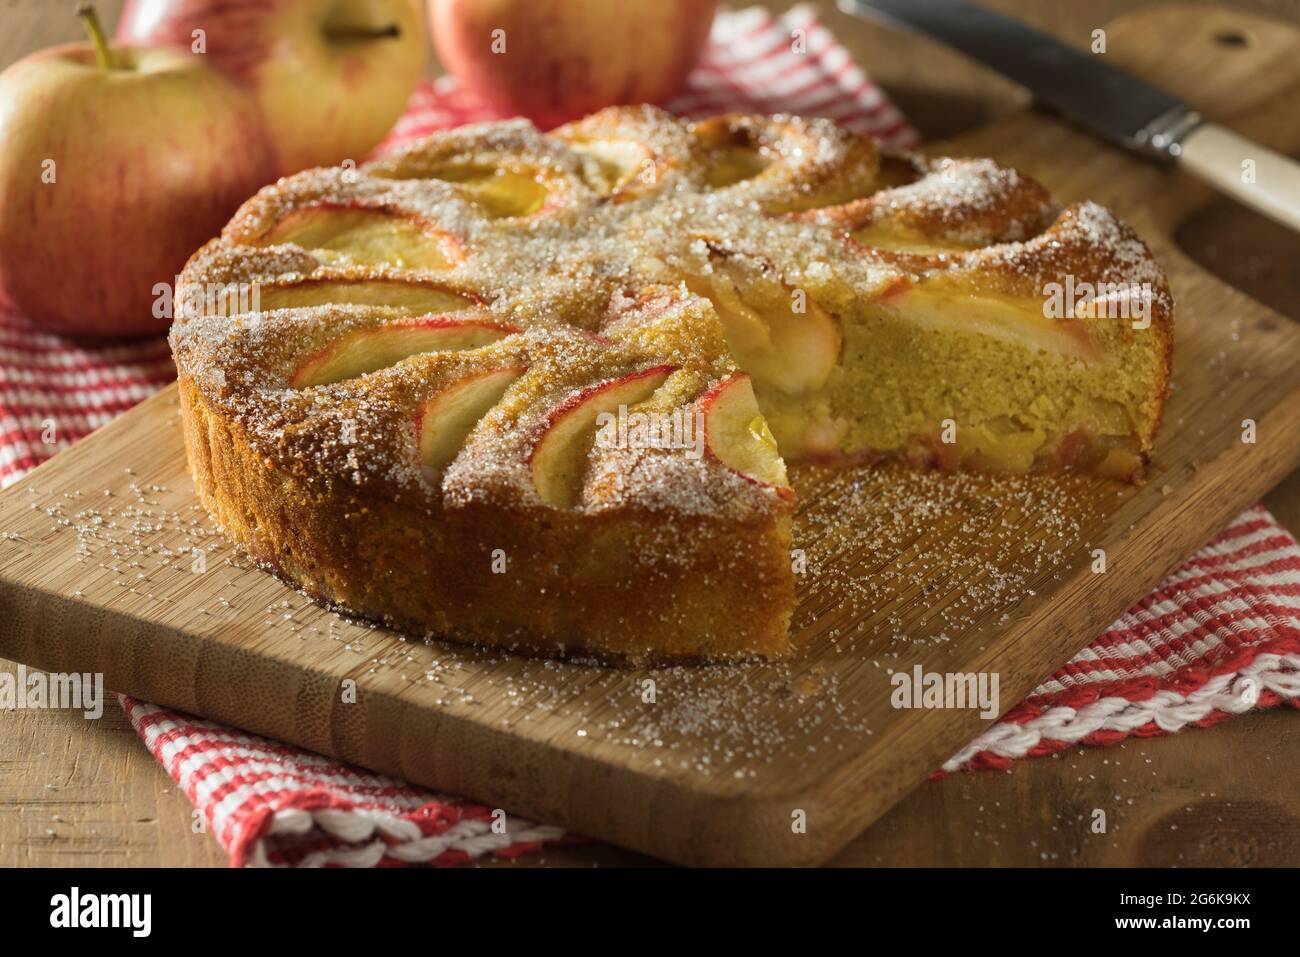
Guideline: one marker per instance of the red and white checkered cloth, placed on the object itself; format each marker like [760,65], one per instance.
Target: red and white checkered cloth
[1220,636]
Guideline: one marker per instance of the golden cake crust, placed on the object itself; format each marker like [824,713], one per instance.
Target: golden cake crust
[389,375]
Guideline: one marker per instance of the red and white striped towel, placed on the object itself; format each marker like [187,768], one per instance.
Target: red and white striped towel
[1220,636]
[753,63]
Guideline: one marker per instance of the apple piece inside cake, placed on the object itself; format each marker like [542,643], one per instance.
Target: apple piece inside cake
[538,391]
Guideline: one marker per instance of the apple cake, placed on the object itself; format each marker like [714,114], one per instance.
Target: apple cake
[536,391]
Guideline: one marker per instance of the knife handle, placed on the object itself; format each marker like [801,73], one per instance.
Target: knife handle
[1257,176]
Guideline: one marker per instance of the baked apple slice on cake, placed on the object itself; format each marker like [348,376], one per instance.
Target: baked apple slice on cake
[565,435]
[366,236]
[429,298]
[782,163]
[783,339]
[632,152]
[445,421]
[506,171]
[367,350]
[737,435]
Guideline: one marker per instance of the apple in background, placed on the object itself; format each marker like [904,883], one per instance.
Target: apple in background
[556,60]
[115,165]
[331,76]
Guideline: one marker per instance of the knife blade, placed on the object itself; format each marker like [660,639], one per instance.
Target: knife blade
[1106,101]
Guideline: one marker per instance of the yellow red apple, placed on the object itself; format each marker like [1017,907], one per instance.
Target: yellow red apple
[331,76]
[555,60]
[116,163]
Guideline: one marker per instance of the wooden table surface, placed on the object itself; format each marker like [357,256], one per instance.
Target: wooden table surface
[78,793]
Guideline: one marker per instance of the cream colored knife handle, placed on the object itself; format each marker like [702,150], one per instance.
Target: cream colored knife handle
[1262,179]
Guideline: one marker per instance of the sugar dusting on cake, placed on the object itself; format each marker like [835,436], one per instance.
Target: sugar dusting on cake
[563,267]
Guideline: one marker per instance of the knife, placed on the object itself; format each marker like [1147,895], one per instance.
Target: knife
[1109,102]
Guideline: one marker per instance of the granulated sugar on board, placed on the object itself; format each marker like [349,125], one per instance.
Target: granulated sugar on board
[896,561]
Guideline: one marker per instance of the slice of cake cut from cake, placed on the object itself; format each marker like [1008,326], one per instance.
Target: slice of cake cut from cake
[963,322]
[538,391]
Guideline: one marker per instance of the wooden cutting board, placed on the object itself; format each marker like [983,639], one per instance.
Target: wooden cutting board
[107,563]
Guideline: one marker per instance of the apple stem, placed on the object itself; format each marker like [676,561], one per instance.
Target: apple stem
[90,20]
[363,33]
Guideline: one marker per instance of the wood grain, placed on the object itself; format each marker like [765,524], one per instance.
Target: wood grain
[1194,410]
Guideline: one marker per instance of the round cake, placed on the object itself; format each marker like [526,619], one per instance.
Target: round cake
[537,391]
